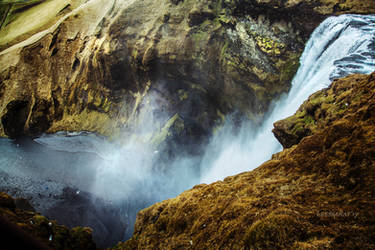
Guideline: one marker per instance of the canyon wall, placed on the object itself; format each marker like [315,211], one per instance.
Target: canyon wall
[93,65]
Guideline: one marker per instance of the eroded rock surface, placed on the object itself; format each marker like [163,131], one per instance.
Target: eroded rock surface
[317,194]
[89,65]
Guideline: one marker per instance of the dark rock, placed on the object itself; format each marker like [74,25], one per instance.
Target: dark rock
[24,204]
[6,201]
[14,120]
[81,208]
[197,17]
[24,227]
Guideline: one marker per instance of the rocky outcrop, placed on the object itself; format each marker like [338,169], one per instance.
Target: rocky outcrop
[21,224]
[317,194]
[322,109]
[93,65]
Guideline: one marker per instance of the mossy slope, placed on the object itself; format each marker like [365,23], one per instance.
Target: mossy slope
[322,109]
[317,194]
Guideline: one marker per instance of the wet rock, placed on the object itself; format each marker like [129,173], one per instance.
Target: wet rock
[6,201]
[14,119]
[75,207]
[23,204]
[197,17]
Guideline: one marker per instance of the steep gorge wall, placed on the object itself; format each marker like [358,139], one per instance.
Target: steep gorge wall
[198,60]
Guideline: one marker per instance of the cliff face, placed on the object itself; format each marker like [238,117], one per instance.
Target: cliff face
[89,65]
[318,193]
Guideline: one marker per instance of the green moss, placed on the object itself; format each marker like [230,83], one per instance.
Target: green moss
[298,129]
[5,13]
[234,64]
[224,51]
[290,68]
[39,219]
[42,229]
[225,19]
[308,120]
[59,238]
[134,53]
[198,87]
[343,106]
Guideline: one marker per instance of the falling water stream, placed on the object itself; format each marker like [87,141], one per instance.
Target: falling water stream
[340,46]
[54,170]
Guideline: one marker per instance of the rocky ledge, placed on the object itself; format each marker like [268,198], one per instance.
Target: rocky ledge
[23,228]
[319,193]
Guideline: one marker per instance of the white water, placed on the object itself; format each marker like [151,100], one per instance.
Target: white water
[338,47]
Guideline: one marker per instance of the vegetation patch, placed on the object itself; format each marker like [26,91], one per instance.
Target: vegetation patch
[276,231]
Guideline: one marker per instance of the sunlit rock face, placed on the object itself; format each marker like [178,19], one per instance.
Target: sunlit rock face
[89,65]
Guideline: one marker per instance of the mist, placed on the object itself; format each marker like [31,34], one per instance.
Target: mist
[340,46]
[110,181]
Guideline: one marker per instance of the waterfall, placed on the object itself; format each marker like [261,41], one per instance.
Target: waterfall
[340,46]
[124,175]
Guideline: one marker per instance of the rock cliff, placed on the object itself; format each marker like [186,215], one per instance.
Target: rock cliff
[93,65]
[319,193]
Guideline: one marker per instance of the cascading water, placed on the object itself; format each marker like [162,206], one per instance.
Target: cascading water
[340,46]
[124,175]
